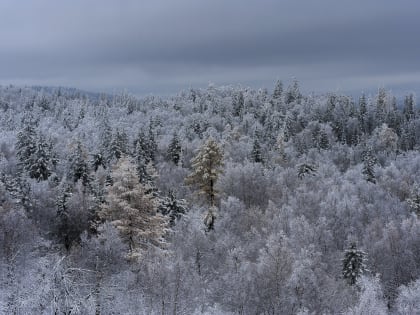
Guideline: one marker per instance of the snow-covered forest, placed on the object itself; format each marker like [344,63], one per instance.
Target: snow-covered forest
[222,200]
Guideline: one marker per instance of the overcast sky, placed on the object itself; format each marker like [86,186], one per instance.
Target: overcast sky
[162,46]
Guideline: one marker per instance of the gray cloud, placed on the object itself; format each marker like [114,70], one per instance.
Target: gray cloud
[161,46]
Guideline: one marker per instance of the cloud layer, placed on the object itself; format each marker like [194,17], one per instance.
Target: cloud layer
[161,46]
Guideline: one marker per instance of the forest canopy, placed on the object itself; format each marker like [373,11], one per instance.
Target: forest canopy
[222,200]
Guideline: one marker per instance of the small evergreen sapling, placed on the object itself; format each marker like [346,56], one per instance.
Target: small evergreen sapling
[293,93]
[238,104]
[119,144]
[39,163]
[174,149]
[98,160]
[209,219]
[79,168]
[324,143]
[278,90]
[152,144]
[256,152]
[19,190]
[368,170]
[414,200]
[172,207]
[353,264]
[306,169]
[64,226]
[25,145]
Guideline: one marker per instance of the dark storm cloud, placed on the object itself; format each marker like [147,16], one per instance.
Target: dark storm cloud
[160,46]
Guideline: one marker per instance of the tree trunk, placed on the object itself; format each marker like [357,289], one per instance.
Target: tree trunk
[98,288]
[177,283]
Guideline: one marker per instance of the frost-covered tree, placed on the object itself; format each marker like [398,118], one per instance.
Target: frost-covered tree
[408,301]
[152,144]
[293,93]
[174,149]
[105,138]
[280,148]
[26,145]
[384,139]
[119,144]
[414,200]
[256,153]
[145,148]
[305,169]
[324,142]
[369,162]
[278,90]
[149,180]
[141,154]
[19,189]
[362,110]
[64,229]
[79,168]
[207,165]
[409,105]
[381,104]
[370,300]
[98,160]
[73,205]
[39,163]
[354,264]
[238,104]
[132,211]
[172,207]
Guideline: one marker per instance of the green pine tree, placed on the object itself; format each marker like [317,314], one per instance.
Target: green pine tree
[353,264]
[368,170]
[26,146]
[408,109]
[414,200]
[39,163]
[293,93]
[79,169]
[119,144]
[238,104]
[305,169]
[256,152]
[174,149]
[278,90]
[172,207]
[324,143]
